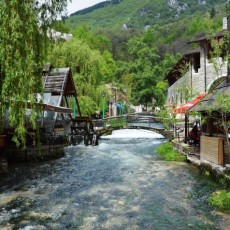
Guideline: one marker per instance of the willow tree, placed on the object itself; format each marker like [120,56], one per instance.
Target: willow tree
[91,71]
[23,30]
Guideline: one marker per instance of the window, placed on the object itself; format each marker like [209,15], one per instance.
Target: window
[196,62]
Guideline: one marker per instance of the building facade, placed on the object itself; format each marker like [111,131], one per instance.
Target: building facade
[196,71]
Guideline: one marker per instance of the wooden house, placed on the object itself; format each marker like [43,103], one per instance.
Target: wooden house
[59,91]
[213,143]
[60,109]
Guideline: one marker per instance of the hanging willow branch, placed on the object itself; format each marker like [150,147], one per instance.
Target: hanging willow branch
[23,26]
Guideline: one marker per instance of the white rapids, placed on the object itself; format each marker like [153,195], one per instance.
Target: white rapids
[132,133]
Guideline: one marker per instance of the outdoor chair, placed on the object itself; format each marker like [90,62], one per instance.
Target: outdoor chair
[194,143]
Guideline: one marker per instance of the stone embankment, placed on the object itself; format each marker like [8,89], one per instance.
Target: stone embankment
[220,173]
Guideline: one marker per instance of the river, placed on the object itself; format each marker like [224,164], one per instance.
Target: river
[121,184]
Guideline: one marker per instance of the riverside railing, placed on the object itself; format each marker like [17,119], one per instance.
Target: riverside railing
[127,121]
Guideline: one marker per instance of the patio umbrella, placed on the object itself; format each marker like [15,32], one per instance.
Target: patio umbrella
[183,109]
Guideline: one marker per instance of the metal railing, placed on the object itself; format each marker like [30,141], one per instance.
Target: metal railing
[128,121]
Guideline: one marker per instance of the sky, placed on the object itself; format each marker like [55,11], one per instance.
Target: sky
[76,5]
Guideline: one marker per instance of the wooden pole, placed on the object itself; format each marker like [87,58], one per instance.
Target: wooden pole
[186,129]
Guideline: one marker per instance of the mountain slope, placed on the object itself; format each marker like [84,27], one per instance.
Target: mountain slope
[136,14]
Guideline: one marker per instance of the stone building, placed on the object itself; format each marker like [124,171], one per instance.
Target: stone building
[196,71]
[214,146]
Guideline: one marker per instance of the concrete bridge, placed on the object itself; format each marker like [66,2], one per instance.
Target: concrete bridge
[90,131]
[104,126]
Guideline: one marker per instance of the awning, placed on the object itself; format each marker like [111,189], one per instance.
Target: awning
[57,109]
[185,107]
[119,106]
[44,106]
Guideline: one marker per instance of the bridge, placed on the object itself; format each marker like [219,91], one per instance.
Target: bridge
[128,122]
[133,121]
[88,130]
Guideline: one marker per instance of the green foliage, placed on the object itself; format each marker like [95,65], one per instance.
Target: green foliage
[87,105]
[166,117]
[60,26]
[155,20]
[212,12]
[222,105]
[22,52]
[145,71]
[82,60]
[125,9]
[223,108]
[169,154]
[220,199]
[137,14]
[117,122]
[143,56]
[91,69]
[200,24]
[94,41]
[227,8]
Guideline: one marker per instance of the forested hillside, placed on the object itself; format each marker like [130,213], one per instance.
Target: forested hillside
[172,22]
[136,14]
[112,44]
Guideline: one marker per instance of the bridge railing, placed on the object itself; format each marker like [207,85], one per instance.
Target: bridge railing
[127,121]
[113,122]
[136,120]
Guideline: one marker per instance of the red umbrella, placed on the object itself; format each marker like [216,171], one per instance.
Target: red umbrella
[185,107]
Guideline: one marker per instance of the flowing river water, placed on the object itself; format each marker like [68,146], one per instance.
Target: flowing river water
[120,184]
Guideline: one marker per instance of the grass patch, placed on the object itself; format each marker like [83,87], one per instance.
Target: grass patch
[117,122]
[220,199]
[169,154]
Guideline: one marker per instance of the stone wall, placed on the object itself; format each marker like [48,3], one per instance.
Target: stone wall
[193,82]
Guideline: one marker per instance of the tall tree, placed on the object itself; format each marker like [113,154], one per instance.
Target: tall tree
[91,70]
[23,36]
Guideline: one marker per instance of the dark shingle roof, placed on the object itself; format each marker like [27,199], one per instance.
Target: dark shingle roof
[209,101]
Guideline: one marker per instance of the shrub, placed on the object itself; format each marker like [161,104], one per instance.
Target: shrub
[220,199]
[169,154]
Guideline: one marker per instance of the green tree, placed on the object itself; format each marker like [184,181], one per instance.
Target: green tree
[223,108]
[227,7]
[60,26]
[23,42]
[94,41]
[91,70]
[145,71]
[223,101]
[200,24]
[212,12]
